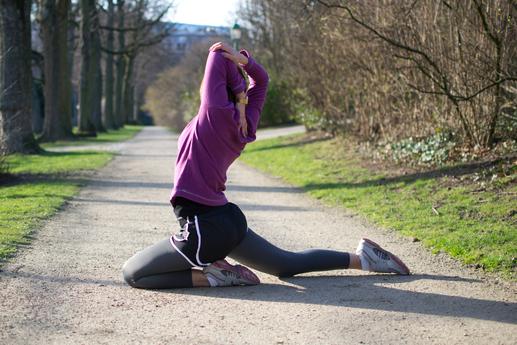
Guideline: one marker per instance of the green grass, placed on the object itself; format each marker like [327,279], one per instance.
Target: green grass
[56,162]
[24,205]
[39,184]
[475,225]
[37,190]
[127,132]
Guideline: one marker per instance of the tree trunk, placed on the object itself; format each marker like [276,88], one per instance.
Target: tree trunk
[127,94]
[109,121]
[121,68]
[96,69]
[71,52]
[15,78]
[119,85]
[136,104]
[88,82]
[38,106]
[54,25]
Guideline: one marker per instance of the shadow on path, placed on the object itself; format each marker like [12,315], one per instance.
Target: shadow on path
[123,202]
[243,206]
[64,280]
[260,189]
[168,185]
[364,292]
[128,184]
[170,157]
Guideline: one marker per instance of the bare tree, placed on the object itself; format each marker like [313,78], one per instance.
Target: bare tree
[465,27]
[109,120]
[173,98]
[393,69]
[86,126]
[54,18]
[139,27]
[15,78]
[96,61]
[120,64]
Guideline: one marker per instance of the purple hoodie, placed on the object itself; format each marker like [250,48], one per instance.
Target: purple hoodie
[211,141]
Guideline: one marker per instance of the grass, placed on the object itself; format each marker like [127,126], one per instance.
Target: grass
[56,162]
[443,208]
[24,205]
[39,184]
[127,132]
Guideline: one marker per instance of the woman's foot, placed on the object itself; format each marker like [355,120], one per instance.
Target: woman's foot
[375,259]
[221,273]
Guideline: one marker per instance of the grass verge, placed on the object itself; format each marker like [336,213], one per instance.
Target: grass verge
[38,185]
[451,209]
[127,132]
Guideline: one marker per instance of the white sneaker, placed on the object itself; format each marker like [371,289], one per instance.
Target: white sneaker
[223,274]
[375,259]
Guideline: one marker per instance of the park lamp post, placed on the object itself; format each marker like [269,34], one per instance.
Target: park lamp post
[235,34]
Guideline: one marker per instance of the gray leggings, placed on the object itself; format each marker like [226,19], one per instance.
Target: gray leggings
[160,266]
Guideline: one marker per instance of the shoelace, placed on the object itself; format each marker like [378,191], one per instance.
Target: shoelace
[381,254]
[231,274]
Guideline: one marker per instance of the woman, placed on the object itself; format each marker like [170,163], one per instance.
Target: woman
[212,227]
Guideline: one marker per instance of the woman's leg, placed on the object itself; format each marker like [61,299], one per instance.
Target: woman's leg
[255,252]
[160,266]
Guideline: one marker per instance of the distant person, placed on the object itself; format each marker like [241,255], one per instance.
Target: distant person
[213,228]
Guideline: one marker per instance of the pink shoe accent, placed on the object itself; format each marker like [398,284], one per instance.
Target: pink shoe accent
[239,270]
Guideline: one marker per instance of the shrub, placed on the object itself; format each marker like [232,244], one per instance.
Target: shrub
[435,149]
[279,106]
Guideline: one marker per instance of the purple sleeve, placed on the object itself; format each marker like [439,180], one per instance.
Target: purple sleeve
[257,90]
[220,72]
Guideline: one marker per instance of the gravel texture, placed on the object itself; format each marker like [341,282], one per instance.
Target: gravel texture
[66,286]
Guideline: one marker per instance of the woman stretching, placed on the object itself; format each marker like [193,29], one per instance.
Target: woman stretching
[213,228]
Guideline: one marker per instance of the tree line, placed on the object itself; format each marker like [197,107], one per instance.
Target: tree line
[388,70]
[97,42]
[173,97]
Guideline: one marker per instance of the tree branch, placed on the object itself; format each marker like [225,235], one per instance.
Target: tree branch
[385,38]
[133,48]
[485,23]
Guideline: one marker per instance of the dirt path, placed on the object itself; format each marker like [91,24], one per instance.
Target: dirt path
[66,287]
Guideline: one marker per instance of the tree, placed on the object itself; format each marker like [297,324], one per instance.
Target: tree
[87,94]
[393,69]
[54,18]
[96,69]
[109,120]
[15,77]
[120,65]
[138,27]
[173,98]
[446,61]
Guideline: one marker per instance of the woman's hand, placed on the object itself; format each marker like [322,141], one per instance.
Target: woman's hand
[230,53]
[243,124]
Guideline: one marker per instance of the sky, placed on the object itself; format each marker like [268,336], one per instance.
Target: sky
[204,12]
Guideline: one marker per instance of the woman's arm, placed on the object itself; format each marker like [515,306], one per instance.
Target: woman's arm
[259,80]
[256,93]
[258,76]
[220,73]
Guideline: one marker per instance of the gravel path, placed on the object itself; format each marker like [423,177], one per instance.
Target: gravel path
[66,287]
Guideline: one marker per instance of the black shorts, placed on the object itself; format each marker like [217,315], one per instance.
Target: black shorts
[211,236]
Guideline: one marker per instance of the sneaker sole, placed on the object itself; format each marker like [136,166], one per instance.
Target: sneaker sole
[393,256]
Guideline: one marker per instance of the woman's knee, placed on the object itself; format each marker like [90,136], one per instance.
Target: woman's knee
[129,273]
